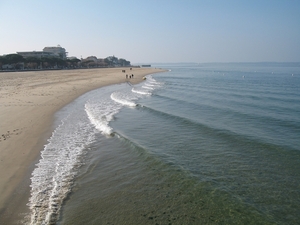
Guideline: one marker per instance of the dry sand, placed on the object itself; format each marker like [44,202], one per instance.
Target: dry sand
[28,101]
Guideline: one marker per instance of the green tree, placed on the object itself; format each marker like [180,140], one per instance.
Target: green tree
[14,58]
[74,62]
[1,61]
[32,62]
[124,62]
[111,60]
[32,59]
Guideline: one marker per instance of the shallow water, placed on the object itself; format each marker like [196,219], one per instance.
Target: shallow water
[200,144]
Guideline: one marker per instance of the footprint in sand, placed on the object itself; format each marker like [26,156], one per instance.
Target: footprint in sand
[9,134]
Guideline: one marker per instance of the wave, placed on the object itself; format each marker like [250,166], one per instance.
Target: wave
[100,115]
[217,132]
[52,179]
[142,151]
[147,87]
[150,85]
[140,92]
[117,97]
[248,112]
[151,81]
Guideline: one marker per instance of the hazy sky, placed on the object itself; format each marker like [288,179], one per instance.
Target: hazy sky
[147,31]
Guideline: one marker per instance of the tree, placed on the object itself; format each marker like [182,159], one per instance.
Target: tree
[60,62]
[15,60]
[32,62]
[1,61]
[111,60]
[11,59]
[32,59]
[74,62]
[124,62]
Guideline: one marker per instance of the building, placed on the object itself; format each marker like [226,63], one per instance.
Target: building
[37,54]
[91,58]
[47,52]
[58,51]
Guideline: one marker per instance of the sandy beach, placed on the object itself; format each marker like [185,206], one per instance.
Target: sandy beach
[28,101]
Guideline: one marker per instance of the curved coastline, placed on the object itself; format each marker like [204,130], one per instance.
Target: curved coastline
[28,101]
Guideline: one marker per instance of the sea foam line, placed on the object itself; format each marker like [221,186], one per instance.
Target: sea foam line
[147,87]
[140,92]
[116,97]
[101,114]
[52,179]
[152,82]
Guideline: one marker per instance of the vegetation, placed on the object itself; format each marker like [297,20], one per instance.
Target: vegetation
[18,62]
[13,60]
[114,61]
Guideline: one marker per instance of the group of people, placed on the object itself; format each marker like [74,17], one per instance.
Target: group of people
[130,76]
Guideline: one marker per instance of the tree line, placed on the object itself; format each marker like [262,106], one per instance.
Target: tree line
[18,62]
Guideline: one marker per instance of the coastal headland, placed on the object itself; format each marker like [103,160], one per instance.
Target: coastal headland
[28,102]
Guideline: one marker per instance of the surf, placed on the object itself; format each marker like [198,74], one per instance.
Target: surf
[53,176]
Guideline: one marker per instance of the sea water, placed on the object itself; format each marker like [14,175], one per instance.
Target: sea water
[199,144]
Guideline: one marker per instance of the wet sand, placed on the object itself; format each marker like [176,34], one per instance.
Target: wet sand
[28,101]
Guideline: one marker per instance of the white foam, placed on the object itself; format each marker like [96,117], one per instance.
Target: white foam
[52,179]
[117,97]
[147,87]
[152,82]
[140,92]
[150,85]
[101,114]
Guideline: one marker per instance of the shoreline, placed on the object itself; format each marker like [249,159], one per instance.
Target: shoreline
[28,102]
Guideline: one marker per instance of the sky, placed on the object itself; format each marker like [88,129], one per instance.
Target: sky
[156,31]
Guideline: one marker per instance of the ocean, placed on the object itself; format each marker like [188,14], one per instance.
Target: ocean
[214,143]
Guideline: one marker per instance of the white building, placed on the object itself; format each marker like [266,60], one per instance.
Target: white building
[37,54]
[47,52]
[58,51]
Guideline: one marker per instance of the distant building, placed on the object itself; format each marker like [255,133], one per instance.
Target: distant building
[47,52]
[91,58]
[93,61]
[58,51]
[37,54]
[72,57]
